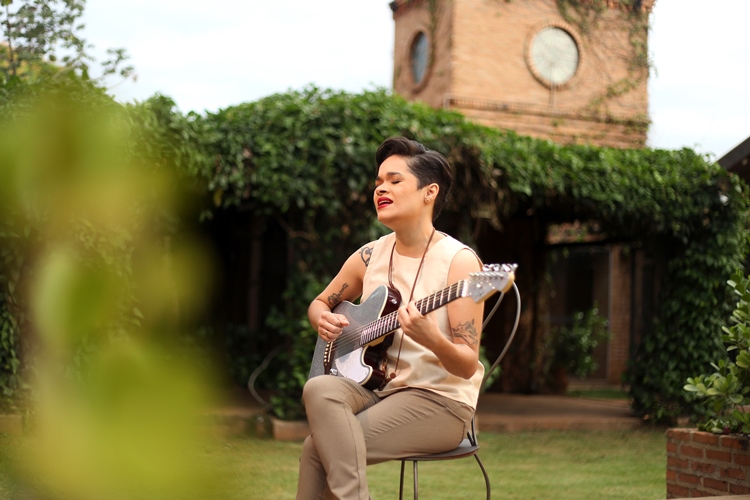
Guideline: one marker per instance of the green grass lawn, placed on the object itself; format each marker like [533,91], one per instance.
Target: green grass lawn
[531,465]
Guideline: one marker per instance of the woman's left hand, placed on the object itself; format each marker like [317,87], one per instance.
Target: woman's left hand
[422,329]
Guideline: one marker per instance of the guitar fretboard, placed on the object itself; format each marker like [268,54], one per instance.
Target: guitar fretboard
[388,323]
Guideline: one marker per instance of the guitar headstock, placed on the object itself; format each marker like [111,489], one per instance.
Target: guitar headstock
[493,278]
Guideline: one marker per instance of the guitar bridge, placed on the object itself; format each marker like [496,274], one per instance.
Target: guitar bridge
[328,360]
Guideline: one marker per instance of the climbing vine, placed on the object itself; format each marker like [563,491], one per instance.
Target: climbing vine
[582,14]
[684,211]
[587,16]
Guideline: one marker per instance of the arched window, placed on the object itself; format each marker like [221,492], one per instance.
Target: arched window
[419,57]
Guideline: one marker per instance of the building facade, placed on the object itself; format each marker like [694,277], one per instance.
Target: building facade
[573,71]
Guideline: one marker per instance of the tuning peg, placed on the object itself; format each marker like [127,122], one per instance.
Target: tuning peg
[495,268]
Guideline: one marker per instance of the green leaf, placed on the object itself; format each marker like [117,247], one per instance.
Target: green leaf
[743,360]
[736,398]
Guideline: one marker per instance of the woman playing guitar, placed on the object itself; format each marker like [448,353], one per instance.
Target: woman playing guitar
[428,395]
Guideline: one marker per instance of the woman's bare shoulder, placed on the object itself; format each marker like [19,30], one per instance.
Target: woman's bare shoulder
[464,262]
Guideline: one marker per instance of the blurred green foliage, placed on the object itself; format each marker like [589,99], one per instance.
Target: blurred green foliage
[304,160]
[97,282]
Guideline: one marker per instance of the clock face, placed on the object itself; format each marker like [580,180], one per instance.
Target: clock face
[418,57]
[554,54]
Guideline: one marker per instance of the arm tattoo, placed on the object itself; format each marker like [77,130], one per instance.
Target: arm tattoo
[335,298]
[366,253]
[466,331]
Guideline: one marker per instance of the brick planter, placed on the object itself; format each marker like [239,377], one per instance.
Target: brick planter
[289,430]
[703,464]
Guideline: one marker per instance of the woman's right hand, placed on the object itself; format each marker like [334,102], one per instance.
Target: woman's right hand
[331,325]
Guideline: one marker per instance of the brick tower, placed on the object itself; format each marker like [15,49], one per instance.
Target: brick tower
[574,71]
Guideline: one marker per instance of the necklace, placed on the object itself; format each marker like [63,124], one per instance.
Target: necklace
[411,296]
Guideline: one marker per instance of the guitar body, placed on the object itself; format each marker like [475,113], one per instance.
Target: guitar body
[364,365]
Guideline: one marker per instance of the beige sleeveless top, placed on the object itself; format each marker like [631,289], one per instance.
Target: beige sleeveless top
[419,367]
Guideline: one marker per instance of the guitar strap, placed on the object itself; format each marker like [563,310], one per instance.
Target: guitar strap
[411,296]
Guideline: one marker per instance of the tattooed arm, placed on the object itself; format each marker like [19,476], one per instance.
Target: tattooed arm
[466,332]
[365,253]
[458,350]
[347,285]
[335,298]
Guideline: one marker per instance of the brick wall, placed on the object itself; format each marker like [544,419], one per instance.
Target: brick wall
[701,464]
[437,26]
[481,68]
[559,126]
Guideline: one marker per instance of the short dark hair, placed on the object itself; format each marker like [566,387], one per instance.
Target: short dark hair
[428,166]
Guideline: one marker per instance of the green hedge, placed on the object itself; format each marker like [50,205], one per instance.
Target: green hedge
[305,160]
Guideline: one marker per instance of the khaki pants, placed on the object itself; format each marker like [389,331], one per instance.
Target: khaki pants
[351,427]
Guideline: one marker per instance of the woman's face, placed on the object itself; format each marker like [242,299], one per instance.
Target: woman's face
[396,194]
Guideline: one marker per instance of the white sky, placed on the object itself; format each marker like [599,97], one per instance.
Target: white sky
[210,55]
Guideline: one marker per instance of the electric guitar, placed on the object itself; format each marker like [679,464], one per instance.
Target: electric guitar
[359,352]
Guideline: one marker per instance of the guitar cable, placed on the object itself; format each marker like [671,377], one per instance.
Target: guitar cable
[251,381]
[512,333]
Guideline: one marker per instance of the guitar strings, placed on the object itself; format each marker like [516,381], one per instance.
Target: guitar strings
[351,340]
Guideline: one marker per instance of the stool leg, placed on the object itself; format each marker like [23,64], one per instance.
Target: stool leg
[484,473]
[416,480]
[401,484]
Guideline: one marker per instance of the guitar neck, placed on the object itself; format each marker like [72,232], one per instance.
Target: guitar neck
[389,323]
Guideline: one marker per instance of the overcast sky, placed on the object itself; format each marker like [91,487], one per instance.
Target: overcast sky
[210,55]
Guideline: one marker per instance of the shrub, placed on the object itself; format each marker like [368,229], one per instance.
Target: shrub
[570,349]
[726,391]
